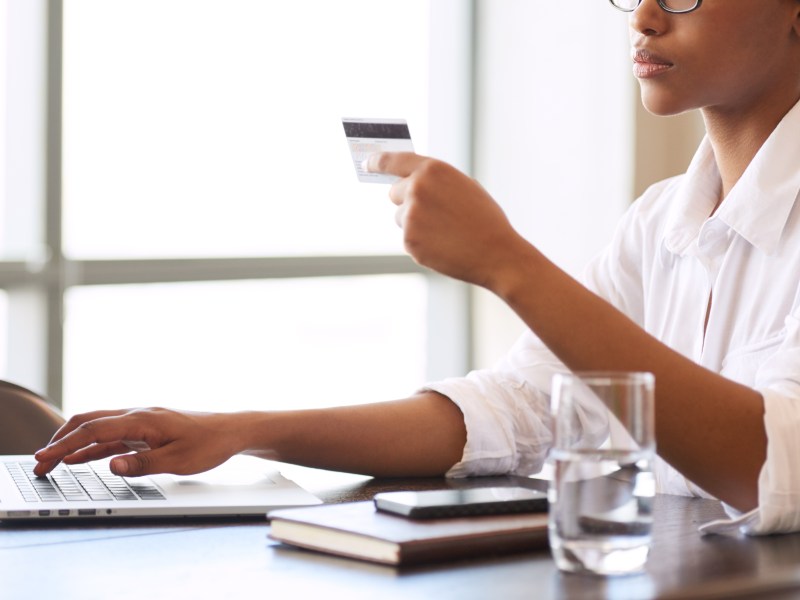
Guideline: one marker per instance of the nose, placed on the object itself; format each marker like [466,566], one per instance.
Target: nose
[648,19]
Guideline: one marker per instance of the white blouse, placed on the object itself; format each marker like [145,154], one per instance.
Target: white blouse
[666,258]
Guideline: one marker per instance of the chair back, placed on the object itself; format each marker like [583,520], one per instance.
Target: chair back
[27,421]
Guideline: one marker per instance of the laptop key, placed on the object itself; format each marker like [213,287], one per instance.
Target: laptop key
[79,483]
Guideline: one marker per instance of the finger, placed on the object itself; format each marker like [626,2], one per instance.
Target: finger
[164,459]
[401,164]
[398,193]
[40,469]
[400,217]
[47,460]
[103,430]
[78,420]
[96,452]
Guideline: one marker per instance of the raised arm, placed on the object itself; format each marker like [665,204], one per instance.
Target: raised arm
[709,428]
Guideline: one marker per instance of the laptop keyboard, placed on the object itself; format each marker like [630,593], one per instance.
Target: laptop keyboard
[87,483]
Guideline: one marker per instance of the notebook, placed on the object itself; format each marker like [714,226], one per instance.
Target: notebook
[358,530]
[243,486]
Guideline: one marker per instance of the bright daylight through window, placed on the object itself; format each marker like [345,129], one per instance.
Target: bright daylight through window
[213,248]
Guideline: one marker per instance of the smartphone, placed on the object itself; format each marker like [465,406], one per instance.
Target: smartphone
[437,504]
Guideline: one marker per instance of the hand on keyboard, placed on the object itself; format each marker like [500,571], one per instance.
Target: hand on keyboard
[164,441]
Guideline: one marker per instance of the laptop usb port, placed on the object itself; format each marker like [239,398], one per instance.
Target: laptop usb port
[44,513]
[63,512]
[87,512]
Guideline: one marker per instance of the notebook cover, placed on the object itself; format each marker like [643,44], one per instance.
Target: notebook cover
[357,530]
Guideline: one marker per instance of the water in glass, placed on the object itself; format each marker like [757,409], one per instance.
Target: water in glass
[600,510]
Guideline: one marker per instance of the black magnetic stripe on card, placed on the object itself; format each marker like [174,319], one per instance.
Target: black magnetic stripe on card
[384,131]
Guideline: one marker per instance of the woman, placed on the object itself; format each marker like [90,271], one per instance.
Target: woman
[699,286]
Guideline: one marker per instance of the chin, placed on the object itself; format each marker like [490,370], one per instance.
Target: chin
[664,105]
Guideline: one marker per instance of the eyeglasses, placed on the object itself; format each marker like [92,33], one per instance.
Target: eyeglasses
[671,6]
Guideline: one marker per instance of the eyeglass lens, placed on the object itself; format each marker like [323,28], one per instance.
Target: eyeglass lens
[674,5]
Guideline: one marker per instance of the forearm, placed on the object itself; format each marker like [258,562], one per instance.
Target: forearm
[420,436]
[709,428]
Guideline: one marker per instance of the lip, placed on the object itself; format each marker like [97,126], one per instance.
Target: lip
[647,64]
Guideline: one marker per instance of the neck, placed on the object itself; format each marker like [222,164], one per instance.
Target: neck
[736,135]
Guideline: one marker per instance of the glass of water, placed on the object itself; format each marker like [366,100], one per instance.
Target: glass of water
[602,489]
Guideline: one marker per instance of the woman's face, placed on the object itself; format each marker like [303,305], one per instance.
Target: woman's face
[728,55]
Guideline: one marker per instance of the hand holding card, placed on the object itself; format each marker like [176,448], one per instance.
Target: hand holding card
[369,136]
[450,223]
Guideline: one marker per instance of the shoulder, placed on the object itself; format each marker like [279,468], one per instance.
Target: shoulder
[649,214]
[658,198]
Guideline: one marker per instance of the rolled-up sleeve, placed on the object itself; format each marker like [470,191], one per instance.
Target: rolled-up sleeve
[779,482]
[507,408]
[506,412]
[778,511]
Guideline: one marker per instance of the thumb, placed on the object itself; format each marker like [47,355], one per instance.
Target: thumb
[139,463]
[401,164]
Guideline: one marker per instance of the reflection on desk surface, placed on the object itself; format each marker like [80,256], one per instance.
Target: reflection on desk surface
[229,559]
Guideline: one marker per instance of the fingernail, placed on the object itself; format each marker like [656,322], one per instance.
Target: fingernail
[119,466]
[40,452]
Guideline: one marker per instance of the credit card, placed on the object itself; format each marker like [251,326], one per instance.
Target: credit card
[368,136]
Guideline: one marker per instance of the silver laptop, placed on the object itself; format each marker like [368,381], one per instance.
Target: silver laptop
[243,486]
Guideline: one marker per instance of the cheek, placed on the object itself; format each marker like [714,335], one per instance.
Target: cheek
[742,54]
[722,60]
[727,66]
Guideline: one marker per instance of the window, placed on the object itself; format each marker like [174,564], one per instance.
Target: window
[187,229]
[170,166]
[289,343]
[3,78]
[210,128]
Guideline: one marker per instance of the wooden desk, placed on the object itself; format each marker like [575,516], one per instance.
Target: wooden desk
[236,560]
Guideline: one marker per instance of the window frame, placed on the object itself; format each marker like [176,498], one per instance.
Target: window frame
[37,275]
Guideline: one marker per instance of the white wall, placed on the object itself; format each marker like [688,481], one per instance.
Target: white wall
[554,133]
[664,147]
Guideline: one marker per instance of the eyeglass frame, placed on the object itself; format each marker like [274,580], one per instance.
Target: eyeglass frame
[663,6]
